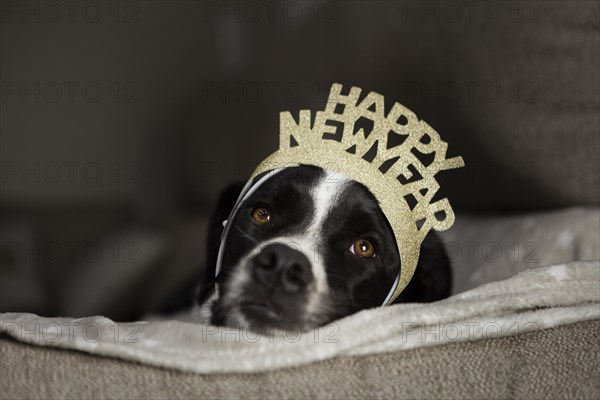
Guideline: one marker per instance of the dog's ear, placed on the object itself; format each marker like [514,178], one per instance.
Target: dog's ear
[432,280]
[221,212]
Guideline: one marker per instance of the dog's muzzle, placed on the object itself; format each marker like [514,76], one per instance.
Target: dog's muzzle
[282,268]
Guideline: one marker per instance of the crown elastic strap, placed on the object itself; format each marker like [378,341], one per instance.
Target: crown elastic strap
[247,190]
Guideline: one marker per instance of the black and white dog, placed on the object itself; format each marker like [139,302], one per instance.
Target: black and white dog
[305,247]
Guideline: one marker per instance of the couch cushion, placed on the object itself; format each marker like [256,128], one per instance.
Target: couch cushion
[561,362]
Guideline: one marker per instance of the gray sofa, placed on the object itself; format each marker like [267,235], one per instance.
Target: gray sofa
[560,362]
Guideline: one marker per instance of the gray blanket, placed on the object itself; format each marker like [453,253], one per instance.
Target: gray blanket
[532,300]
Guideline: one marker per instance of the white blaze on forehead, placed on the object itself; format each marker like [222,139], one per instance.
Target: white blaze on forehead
[324,196]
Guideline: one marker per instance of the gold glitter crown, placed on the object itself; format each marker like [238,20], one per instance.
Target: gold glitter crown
[392,153]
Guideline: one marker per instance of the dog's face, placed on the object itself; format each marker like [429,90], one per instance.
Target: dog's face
[305,248]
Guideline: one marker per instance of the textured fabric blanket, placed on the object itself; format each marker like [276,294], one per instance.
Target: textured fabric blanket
[532,300]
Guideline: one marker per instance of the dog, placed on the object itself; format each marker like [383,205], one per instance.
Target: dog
[306,247]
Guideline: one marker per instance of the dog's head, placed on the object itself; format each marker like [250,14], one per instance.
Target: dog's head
[306,247]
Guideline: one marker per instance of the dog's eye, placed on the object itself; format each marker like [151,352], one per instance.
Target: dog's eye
[363,248]
[261,215]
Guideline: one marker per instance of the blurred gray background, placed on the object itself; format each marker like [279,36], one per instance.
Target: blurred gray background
[122,122]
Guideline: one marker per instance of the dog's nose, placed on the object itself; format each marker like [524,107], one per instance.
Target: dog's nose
[281,264]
